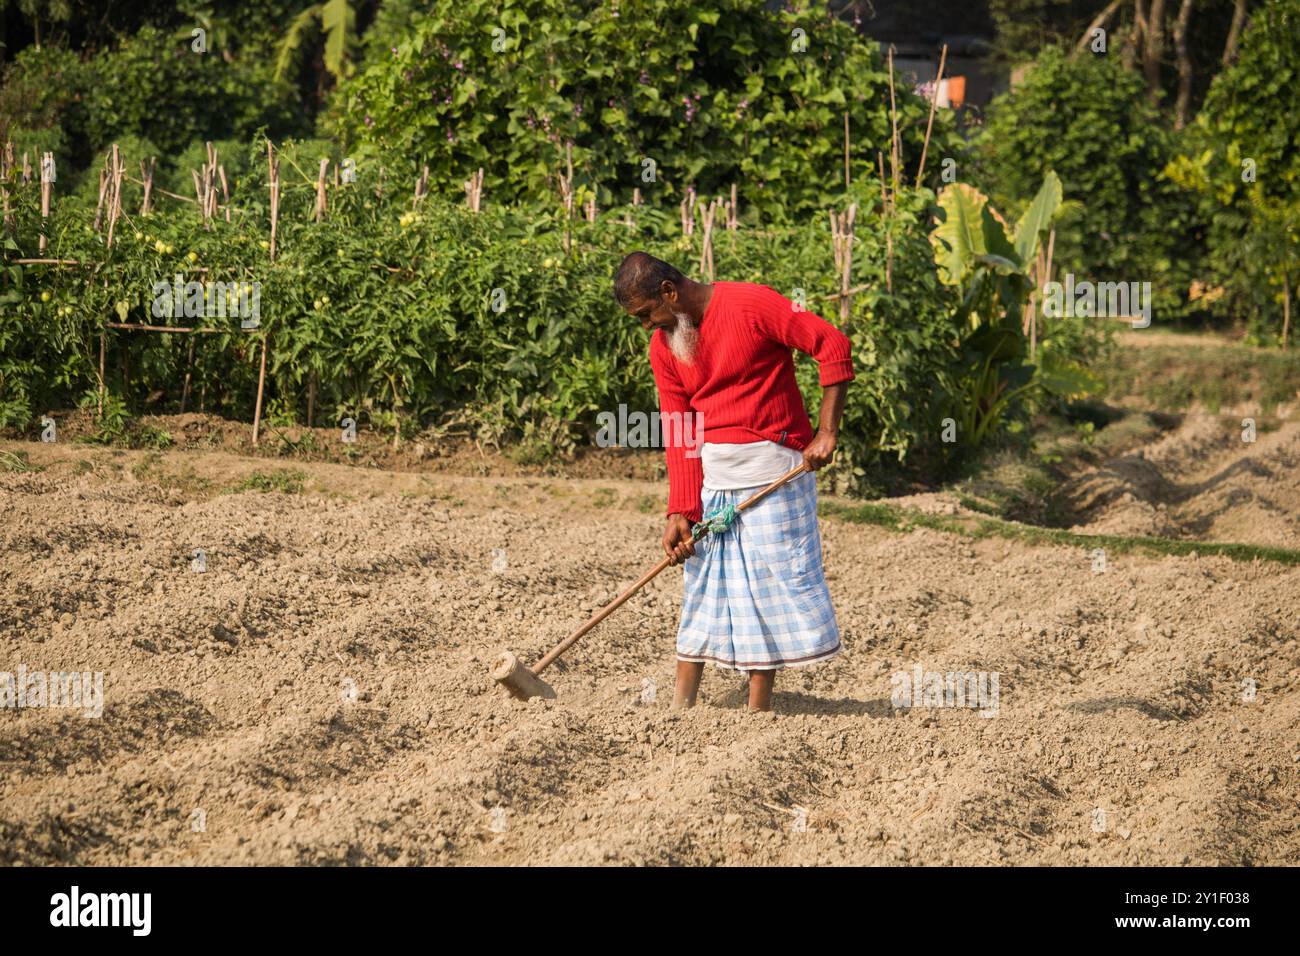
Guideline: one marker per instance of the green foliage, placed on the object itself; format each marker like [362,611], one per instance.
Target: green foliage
[1086,118]
[991,270]
[337,21]
[726,95]
[1240,161]
[392,314]
[151,86]
[42,103]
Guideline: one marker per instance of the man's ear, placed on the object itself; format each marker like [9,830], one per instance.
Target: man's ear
[668,289]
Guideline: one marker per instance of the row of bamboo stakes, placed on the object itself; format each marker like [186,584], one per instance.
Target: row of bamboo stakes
[212,172]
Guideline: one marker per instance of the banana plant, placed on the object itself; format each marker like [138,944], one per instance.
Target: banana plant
[990,267]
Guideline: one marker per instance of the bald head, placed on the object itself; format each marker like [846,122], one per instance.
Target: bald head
[641,277]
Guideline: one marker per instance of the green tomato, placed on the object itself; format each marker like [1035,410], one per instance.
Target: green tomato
[45,297]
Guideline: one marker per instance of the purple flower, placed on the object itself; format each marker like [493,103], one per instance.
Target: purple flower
[644,77]
[611,103]
[458,65]
[394,49]
[369,121]
[451,137]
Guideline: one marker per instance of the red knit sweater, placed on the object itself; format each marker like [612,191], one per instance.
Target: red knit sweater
[742,380]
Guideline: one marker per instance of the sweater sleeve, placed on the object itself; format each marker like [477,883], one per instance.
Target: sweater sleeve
[685,472]
[779,319]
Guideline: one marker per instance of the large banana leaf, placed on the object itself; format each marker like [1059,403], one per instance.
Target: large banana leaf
[1038,217]
[968,232]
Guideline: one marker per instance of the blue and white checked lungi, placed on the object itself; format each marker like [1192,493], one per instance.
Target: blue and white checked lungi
[755,596]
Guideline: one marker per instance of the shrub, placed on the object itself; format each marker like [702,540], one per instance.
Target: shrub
[1239,159]
[727,95]
[1088,120]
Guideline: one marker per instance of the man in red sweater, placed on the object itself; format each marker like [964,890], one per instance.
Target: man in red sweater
[755,596]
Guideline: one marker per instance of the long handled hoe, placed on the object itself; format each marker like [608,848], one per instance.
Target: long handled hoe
[526,682]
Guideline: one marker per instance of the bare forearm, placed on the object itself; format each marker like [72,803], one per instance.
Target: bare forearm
[821,449]
[832,408]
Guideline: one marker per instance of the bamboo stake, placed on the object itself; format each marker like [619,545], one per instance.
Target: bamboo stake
[733,211]
[114,192]
[182,329]
[225,190]
[706,251]
[198,193]
[688,212]
[421,187]
[146,178]
[6,169]
[47,189]
[205,178]
[929,124]
[566,196]
[273,182]
[320,189]
[842,246]
[261,386]
[894,156]
[474,190]
[845,298]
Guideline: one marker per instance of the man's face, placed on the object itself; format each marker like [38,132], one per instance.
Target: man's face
[657,313]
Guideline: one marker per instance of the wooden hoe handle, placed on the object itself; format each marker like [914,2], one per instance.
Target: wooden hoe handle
[645,579]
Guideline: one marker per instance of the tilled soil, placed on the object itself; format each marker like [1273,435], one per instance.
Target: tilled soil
[319,694]
[1210,479]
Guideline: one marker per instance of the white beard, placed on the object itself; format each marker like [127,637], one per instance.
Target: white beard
[684,338]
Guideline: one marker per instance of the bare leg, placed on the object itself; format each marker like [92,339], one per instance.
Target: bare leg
[688,683]
[760,689]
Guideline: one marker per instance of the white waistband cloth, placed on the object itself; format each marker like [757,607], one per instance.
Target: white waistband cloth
[728,467]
